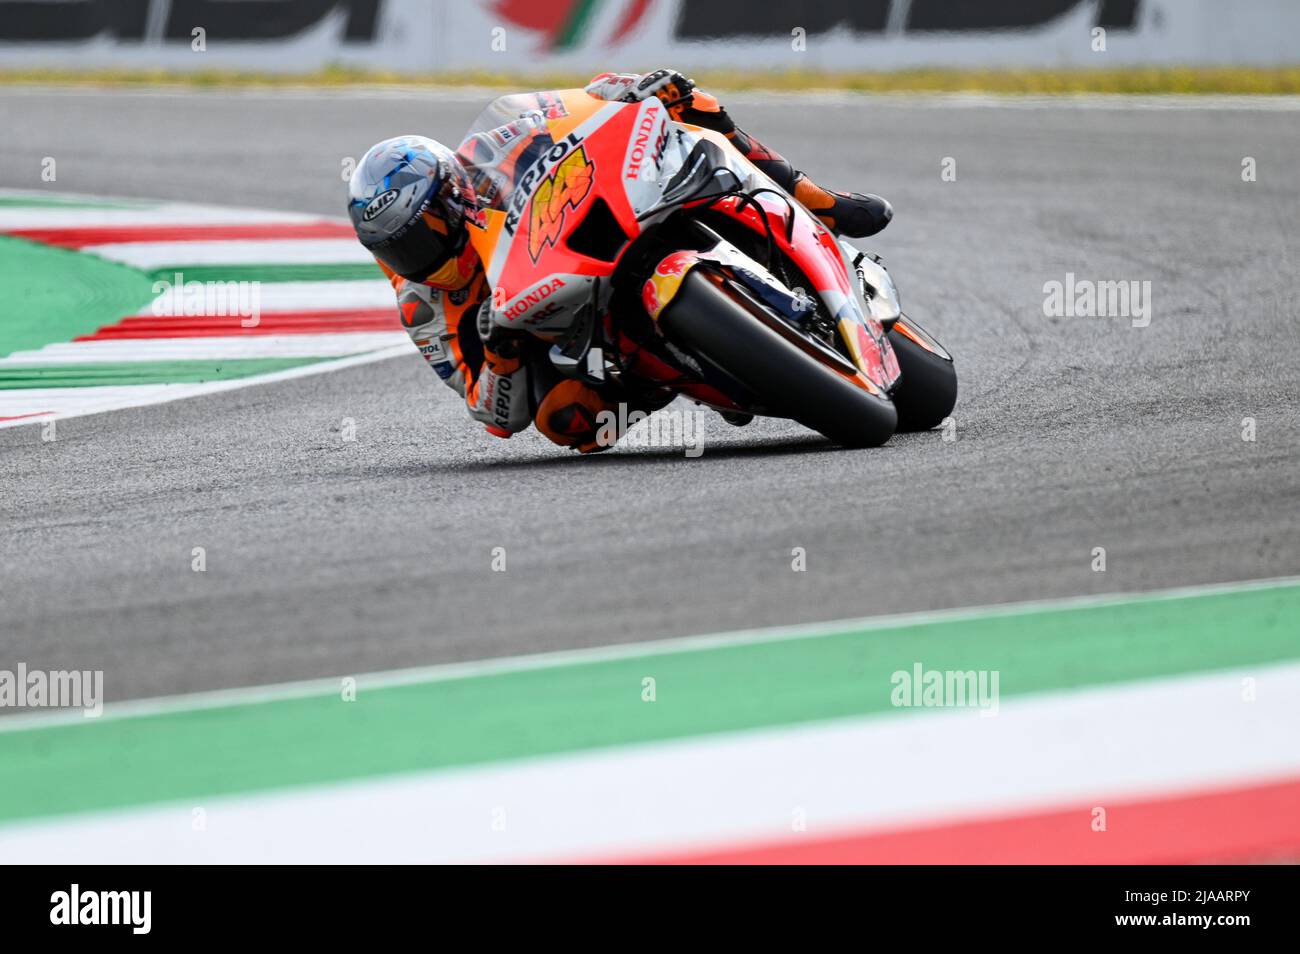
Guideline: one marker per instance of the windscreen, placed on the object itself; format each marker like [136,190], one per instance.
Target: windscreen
[507,138]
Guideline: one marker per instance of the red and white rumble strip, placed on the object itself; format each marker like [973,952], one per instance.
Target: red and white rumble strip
[313,322]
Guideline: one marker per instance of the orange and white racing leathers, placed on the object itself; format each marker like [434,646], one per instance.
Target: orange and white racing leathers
[443,324]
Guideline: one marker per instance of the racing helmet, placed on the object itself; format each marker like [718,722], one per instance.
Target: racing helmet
[409,199]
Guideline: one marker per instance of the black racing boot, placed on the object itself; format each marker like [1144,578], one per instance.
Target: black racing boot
[851,214]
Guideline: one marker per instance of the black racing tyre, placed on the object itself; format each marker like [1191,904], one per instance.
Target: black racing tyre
[927,392]
[740,338]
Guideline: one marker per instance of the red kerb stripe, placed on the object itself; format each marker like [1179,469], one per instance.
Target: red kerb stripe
[270,323]
[108,234]
[1255,823]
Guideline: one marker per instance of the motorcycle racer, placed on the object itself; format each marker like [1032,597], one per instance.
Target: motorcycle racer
[411,201]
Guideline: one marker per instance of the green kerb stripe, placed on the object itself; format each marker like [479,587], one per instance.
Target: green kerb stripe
[463,720]
[340,272]
[57,202]
[80,375]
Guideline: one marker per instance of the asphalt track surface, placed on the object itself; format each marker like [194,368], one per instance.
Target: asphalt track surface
[327,557]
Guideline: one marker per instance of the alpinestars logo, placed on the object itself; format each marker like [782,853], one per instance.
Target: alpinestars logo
[564,189]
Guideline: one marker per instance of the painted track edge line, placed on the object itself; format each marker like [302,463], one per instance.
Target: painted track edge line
[444,672]
[215,387]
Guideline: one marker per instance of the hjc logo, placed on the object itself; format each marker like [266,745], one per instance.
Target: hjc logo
[378,204]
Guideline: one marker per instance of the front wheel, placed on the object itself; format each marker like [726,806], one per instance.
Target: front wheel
[738,337]
[927,391]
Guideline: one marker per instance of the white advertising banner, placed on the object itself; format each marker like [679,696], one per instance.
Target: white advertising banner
[531,36]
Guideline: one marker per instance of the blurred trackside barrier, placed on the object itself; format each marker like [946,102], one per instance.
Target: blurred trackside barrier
[514,37]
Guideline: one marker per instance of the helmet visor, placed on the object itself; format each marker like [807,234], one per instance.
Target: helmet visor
[419,249]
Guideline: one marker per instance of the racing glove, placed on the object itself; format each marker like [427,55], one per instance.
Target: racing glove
[686,102]
[500,344]
[668,85]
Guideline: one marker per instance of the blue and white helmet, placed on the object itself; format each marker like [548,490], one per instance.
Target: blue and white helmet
[408,199]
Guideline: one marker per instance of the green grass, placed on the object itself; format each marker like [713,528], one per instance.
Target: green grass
[1162,80]
[54,294]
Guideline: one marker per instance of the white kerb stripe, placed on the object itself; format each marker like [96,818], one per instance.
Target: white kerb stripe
[150,255]
[320,296]
[58,217]
[1137,739]
[206,348]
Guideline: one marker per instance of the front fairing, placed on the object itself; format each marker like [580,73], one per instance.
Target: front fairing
[539,161]
[542,163]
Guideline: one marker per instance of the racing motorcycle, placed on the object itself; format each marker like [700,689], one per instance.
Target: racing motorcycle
[651,255]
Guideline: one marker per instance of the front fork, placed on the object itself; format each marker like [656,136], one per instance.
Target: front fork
[879,295]
[881,298]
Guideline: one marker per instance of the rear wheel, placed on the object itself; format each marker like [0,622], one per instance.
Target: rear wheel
[774,362]
[927,392]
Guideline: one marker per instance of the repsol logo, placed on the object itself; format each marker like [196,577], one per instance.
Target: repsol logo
[528,181]
[173,20]
[521,306]
[501,406]
[432,350]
